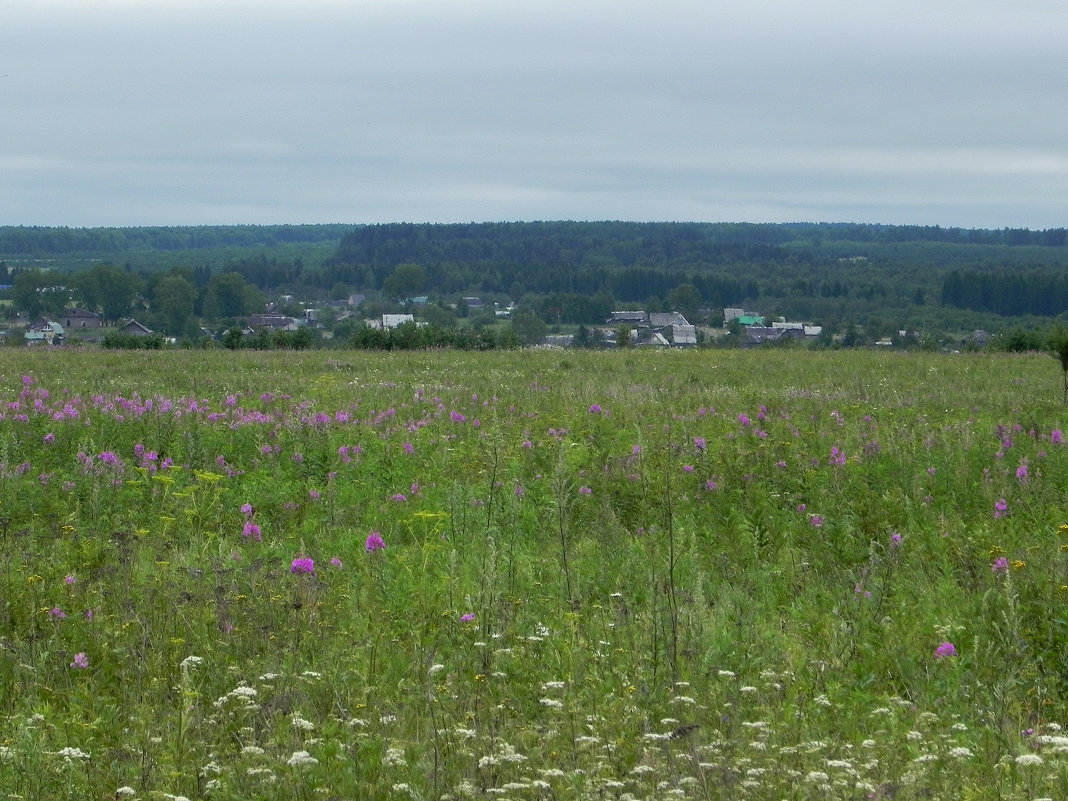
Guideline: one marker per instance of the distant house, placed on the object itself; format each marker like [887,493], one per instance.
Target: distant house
[666,319]
[273,322]
[80,318]
[136,329]
[393,320]
[46,332]
[635,317]
[762,335]
[659,329]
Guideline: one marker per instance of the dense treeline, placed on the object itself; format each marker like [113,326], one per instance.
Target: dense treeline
[1007,294]
[409,336]
[882,277]
[44,241]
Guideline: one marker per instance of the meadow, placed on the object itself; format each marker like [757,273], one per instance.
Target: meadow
[532,575]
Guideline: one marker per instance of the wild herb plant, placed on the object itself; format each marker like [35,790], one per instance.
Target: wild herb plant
[536,575]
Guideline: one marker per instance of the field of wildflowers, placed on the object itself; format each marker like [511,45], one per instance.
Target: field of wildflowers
[773,575]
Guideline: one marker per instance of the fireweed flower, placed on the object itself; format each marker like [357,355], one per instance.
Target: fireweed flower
[374,542]
[302,564]
[945,650]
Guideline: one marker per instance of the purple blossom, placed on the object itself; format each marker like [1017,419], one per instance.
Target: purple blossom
[80,661]
[1022,472]
[699,443]
[374,542]
[1056,436]
[467,618]
[408,447]
[336,562]
[68,580]
[456,417]
[687,468]
[56,613]
[944,650]
[710,485]
[895,540]
[247,510]
[302,564]
[1000,566]
[585,490]
[400,497]
[595,408]
[1001,508]
[251,531]
[816,521]
[49,437]
[743,418]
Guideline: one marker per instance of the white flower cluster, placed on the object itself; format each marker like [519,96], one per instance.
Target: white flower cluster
[301,759]
[243,694]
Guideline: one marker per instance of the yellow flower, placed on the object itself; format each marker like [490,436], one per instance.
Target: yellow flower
[1063,529]
[1019,563]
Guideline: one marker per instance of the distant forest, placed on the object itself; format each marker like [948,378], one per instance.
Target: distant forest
[881,276]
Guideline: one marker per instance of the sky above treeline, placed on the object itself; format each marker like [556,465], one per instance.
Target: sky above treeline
[186,112]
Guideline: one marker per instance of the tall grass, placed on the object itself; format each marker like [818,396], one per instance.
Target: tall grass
[630,575]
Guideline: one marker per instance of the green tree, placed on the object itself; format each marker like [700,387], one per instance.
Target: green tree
[1059,344]
[230,295]
[685,299]
[109,290]
[29,291]
[528,327]
[405,281]
[173,301]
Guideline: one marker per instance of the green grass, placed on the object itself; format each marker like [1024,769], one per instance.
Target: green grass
[691,575]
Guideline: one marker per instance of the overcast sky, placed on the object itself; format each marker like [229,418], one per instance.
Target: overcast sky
[127,112]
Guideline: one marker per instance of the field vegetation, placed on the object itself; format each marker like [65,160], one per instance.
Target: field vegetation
[533,575]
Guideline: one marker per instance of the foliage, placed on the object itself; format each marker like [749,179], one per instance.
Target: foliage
[120,340]
[767,575]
